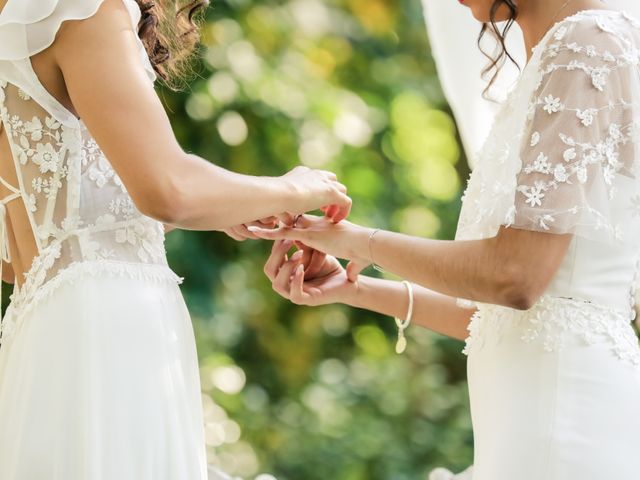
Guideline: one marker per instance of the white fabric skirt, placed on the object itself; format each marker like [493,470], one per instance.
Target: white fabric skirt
[555,393]
[100,382]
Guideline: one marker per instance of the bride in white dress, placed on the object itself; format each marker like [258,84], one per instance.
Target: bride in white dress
[541,276]
[98,367]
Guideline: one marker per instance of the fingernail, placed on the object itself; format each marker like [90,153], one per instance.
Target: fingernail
[300,269]
[297,255]
[253,228]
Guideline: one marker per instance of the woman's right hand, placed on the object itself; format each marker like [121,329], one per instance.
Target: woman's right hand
[318,189]
[308,277]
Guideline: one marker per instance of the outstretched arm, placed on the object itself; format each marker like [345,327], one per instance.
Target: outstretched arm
[107,84]
[325,281]
[512,269]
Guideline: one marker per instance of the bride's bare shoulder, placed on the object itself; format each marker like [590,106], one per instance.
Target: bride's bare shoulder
[112,16]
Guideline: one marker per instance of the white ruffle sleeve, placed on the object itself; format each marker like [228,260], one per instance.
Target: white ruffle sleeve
[562,156]
[30,26]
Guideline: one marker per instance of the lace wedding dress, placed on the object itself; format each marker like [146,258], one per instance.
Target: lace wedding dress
[98,367]
[555,389]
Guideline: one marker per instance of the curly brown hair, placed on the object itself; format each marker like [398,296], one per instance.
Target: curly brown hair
[497,62]
[169,30]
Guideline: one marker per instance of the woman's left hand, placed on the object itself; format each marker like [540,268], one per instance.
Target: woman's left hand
[241,232]
[342,240]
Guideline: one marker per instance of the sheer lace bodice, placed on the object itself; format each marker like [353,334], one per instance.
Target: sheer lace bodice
[562,157]
[80,214]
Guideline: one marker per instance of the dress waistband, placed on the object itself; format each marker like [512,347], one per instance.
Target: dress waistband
[551,319]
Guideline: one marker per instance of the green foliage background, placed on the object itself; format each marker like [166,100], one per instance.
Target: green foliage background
[302,393]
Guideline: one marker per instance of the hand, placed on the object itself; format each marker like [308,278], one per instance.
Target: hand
[342,240]
[309,277]
[241,232]
[318,189]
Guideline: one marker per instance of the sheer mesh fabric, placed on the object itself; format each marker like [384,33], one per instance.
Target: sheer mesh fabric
[62,202]
[562,154]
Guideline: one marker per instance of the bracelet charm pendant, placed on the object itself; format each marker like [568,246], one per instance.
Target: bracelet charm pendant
[401,344]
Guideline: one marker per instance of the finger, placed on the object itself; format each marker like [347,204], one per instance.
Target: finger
[296,289]
[280,233]
[331,211]
[231,233]
[317,260]
[330,175]
[306,257]
[286,218]
[354,269]
[273,220]
[344,210]
[277,258]
[281,284]
[244,232]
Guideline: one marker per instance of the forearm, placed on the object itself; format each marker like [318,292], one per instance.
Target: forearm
[431,310]
[474,269]
[208,197]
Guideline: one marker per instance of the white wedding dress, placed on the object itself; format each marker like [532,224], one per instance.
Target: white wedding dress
[555,390]
[98,367]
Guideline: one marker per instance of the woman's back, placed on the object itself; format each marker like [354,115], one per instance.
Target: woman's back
[65,204]
[98,366]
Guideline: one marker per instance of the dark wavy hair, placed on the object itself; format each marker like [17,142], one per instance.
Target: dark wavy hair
[497,59]
[170,32]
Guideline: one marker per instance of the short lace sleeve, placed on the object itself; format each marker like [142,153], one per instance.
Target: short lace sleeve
[30,26]
[561,156]
[579,169]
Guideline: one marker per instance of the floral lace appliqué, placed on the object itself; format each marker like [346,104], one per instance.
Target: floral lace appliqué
[551,321]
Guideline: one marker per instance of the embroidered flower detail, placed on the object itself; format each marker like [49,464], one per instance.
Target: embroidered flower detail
[552,104]
[591,51]
[569,154]
[605,24]
[599,77]
[541,164]
[23,95]
[553,50]
[560,33]
[574,64]
[574,47]
[614,131]
[560,173]
[33,128]
[535,139]
[544,219]
[586,116]
[534,194]
[609,174]
[46,158]
[551,322]
[581,173]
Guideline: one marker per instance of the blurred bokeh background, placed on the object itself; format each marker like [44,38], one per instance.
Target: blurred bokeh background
[302,393]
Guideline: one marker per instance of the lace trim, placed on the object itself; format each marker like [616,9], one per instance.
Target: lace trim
[551,321]
[22,302]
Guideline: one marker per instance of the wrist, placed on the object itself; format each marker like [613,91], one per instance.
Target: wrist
[288,193]
[359,244]
[360,295]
